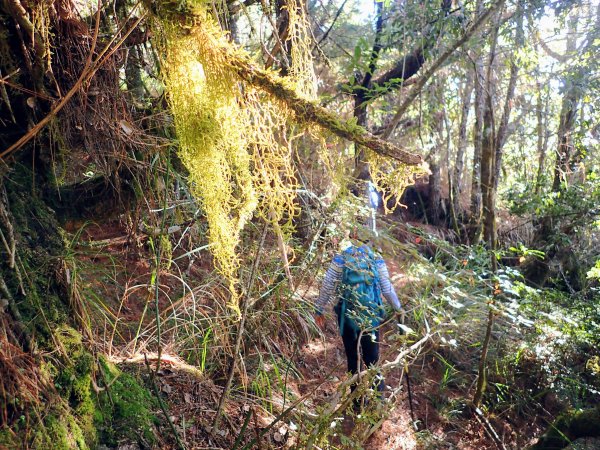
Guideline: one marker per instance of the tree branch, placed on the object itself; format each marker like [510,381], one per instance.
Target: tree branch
[397,76]
[310,112]
[435,66]
[335,18]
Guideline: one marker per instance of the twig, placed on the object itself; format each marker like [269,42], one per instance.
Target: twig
[337,15]
[331,409]
[285,412]
[410,398]
[399,360]
[487,426]
[163,407]
[238,341]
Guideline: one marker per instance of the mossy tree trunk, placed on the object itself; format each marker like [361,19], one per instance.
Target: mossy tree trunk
[49,402]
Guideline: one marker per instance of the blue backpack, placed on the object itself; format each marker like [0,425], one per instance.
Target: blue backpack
[360,305]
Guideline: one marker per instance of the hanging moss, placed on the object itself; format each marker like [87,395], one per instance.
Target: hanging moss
[232,124]
[391,178]
[233,142]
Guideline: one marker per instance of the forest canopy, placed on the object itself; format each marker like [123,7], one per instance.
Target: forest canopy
[175,178]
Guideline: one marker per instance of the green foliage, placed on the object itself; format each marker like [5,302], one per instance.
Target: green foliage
[567,219]
[125,408]
[545,342]
[594,272]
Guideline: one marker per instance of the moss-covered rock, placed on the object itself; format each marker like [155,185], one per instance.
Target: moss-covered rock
[570,427]
[125,408]
[60,431]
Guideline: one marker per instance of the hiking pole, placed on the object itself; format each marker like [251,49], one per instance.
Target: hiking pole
[410,400]
[407,376]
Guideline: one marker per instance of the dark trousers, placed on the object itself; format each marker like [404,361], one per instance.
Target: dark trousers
[369,350]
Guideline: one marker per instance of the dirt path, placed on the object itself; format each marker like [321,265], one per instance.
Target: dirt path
[326,357]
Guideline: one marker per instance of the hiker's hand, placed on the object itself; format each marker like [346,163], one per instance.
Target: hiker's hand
[400,318]
[320,320]
[400,329]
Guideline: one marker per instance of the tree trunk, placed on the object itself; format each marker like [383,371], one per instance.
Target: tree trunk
[475,226]
[439,158]
[542,139]
[488,145]
[568,112]
[435,190]
[566,127]
[361,167]
[502,133]
[457,172]
[476,208]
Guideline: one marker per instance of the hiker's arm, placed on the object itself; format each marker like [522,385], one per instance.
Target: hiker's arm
[386,286]
[332,278]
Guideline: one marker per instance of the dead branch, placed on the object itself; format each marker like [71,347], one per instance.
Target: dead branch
[90,69]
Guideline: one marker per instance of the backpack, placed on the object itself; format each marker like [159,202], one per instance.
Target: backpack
[360,305]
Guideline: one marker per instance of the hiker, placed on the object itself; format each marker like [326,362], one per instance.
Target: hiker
[358,277]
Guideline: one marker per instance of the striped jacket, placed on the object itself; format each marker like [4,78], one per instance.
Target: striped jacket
[333,276]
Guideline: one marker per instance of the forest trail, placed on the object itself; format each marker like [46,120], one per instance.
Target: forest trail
[324,358]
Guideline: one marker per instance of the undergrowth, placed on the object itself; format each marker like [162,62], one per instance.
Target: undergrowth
[544,350]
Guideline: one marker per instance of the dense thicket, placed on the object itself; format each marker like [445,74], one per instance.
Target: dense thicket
[175,176]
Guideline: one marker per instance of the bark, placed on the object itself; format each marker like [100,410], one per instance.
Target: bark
[457,172]
[566,127]
[568,112]
[20,15]
[404,69]
[502,134]
[408,65]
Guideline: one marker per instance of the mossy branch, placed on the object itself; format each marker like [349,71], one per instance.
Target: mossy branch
[189,18]
[307,111]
